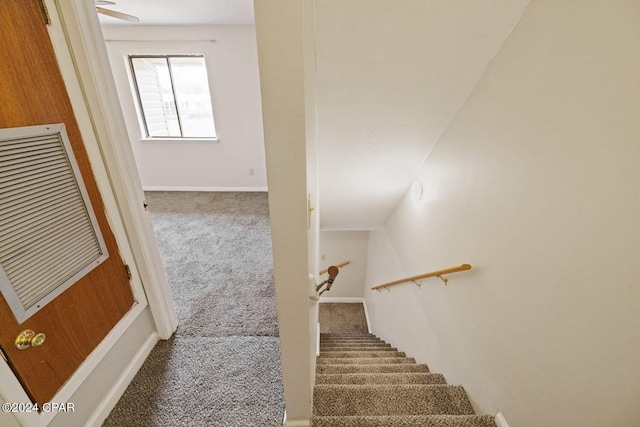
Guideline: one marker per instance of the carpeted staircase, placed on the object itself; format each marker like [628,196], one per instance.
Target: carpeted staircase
[363,381]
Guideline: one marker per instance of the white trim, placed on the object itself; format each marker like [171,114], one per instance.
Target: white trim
[203,189]
[179,141]
[161,40]
[92,68]
[117,390]
[342,299]
[500,421]
[295,423]
[12,391]
[333,228]
[81,110]
[96,110]
[10,388]
[92,361]
[366,315]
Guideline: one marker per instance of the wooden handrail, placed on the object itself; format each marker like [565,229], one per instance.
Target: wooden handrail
[438,273]
[337,265]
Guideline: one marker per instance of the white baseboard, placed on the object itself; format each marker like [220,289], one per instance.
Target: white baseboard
[366,316]
[203,189]
[500,421]
[341,299]
[117,390]
[297,423]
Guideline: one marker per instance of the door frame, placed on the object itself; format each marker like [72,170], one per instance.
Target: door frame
[79,47]
[88,51]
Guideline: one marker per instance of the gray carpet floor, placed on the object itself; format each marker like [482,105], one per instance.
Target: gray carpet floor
[342,317]
[222,367]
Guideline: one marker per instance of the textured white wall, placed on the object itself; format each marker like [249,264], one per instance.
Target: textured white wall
[234,82]
[337,247]
[280,28]
[536,184]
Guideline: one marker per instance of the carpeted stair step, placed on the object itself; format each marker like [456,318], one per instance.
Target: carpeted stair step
[362,381]
[360,354]
[351,345]
[372,368]
[405,421]
[381,378]
[352,341]
[363,360]
[352,338]
[359,348]
[347,336]
[338,400]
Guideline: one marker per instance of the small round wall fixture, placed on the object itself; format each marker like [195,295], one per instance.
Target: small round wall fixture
[415,190]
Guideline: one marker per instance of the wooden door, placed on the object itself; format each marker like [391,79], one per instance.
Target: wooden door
[32,92]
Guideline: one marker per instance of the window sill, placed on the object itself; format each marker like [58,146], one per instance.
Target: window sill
[215,140]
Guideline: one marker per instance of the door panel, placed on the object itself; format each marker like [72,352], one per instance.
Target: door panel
[32,92]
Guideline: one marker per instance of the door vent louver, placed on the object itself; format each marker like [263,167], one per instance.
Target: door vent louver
[49,236]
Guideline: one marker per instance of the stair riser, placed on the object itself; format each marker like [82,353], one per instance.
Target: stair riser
[366,347]
[391,400]
[343,334]
[406,421]
[361,381]
[350,339]
[380,378]
[370,368]
[370,344]
[353,342]
[363,361]
[360,354]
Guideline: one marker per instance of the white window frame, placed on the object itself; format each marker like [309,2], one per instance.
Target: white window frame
[146,137]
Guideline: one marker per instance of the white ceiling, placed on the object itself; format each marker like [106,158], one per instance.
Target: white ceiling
[183,12]
[391,76]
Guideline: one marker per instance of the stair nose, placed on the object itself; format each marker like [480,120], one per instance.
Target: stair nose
[378,344]
[361,354]
[381,378]
[386,347]
[371,368]
[363,360]
[340,400]
[405,421]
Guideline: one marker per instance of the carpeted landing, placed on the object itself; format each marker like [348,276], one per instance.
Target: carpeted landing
[222,367]
[361,381]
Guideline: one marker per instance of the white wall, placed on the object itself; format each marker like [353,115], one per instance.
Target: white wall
[536,184]
[340,246]
[232,62]
[280,29]
[101,391]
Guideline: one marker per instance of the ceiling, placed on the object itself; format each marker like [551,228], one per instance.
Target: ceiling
[391,76]
[183,12]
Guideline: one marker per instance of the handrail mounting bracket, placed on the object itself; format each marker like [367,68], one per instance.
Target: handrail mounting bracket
[444,279]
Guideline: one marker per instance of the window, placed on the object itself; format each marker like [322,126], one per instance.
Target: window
[173,96]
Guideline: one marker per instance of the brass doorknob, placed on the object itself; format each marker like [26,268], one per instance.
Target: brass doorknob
[28,338]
